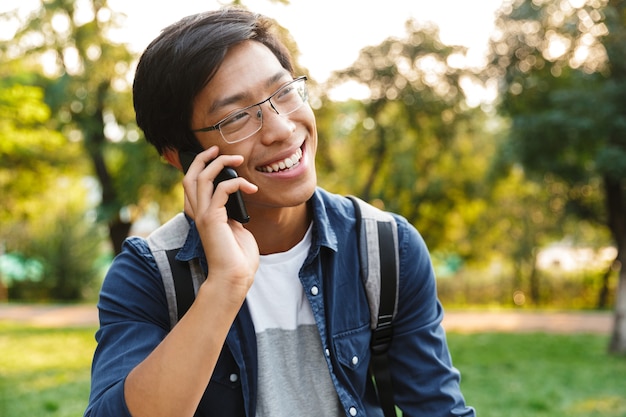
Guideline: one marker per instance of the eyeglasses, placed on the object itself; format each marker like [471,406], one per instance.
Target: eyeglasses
[243,123]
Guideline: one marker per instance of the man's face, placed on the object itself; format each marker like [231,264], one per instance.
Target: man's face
[249,74]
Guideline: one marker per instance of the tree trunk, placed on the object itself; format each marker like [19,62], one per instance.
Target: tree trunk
[615,187]
[118,231]
[618,338]
[110,205]
[616,209]
[4,292]
[603,294]
[535,292]
[379,156]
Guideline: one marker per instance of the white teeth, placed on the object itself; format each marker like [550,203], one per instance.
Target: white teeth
[285,163]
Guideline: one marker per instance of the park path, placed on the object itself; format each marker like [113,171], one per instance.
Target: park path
[85,315]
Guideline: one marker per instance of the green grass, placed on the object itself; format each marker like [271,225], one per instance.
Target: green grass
[540,375]
[45,372]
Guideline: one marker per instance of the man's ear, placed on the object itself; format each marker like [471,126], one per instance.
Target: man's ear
[172,158]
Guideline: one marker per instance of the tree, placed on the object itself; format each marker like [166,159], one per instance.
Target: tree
[414,144]
[562,72]
[524,215]
[32,155]
[44,229]
[84,76]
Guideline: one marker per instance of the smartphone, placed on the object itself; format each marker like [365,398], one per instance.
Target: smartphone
[235,206]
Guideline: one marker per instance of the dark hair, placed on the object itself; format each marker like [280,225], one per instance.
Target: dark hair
[182,60]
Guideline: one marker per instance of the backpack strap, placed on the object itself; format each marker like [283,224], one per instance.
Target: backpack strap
[183,283]
[379,258]
[181,280]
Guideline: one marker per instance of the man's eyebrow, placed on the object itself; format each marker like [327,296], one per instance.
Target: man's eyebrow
[228,100]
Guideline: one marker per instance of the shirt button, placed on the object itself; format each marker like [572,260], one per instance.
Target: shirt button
[327,352]
[314,290]
[234,377]
[352,411]
[355,360]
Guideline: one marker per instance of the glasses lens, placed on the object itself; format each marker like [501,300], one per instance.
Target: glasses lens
[246,122]
[290,97]
[242,124]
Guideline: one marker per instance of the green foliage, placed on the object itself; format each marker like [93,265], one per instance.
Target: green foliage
[84,77]
[70,251]
[498,285]
[562,74]
[31,153]
[567,113]
[44,197]
[414,145]
[63,240]
[139,173]
[483,189]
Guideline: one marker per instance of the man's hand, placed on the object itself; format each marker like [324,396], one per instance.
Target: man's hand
[231,251]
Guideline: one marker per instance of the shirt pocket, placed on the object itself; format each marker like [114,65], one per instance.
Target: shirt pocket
[226,372]
[223,396]
[352,348]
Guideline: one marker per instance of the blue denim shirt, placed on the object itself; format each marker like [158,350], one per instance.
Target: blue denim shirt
[134,320]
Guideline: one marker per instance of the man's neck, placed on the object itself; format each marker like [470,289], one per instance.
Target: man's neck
[278,230]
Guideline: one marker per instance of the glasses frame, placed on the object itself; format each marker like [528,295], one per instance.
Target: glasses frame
[217,126]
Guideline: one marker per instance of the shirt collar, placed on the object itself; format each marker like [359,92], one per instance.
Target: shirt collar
[193,245]
[323,233]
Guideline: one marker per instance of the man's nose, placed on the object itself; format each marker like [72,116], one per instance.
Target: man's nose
[275,125]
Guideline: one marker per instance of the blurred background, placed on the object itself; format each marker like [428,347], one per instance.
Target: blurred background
[498,128]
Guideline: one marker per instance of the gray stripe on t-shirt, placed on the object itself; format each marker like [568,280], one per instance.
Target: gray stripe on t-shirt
[293,375]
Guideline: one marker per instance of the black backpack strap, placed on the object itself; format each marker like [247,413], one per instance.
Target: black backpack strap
[183,283]
[382,334]
[180,279]
[379,232]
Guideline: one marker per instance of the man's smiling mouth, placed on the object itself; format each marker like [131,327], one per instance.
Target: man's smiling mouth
[285,164]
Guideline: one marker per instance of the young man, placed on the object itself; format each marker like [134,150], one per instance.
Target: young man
[280,326]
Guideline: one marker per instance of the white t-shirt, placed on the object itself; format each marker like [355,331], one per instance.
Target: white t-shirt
[293,377]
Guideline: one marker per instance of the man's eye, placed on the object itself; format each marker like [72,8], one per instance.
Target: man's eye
[236,119]
[285,92]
